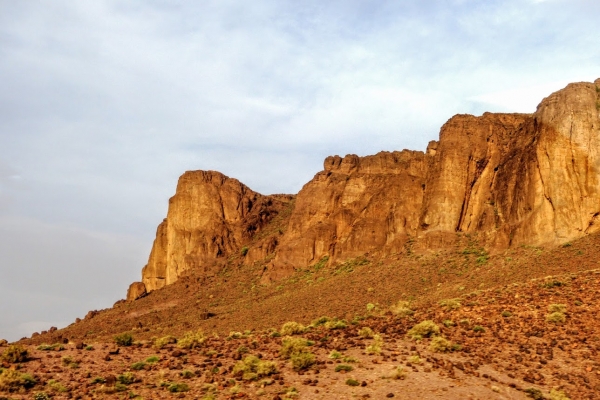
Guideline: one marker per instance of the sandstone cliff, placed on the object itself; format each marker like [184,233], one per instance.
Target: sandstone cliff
[508,178]
[210,217]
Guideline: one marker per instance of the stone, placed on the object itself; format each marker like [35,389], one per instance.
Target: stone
[136,291]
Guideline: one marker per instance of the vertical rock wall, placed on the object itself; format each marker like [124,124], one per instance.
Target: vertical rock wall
[511,178]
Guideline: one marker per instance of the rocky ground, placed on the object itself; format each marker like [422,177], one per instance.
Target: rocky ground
[539,339]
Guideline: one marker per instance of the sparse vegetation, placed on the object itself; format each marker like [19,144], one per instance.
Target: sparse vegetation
[191,340]
[291,346]
[51,347]
[424,329]
[292,328]
[152,359]
[302,360]
[450,304]
[376,346]
[556,313]
[399,373]
[335,355]
[366,332]
[124,339]
[126,378]
[556,317]
[15,354]
[252,368]
[352,382]
[335,324]
[14,381]
[138,366]
[441,345]
[178,387]
[402,309]
[343,367]
[556,394]
[163,341]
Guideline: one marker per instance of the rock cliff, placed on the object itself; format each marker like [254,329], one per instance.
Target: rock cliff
[509,179]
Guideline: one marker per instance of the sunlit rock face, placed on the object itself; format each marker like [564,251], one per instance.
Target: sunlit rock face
[508,179]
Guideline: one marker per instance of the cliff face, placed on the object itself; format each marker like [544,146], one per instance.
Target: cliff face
[511,178]
[210,217]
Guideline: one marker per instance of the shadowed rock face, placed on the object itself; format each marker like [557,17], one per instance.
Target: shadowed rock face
[509,178]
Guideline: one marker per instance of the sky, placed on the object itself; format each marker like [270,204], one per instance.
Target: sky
[105,103]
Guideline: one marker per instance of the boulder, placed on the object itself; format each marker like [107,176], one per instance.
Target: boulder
[136,290]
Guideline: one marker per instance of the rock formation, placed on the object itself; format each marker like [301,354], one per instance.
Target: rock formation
[509,179]
[210,217]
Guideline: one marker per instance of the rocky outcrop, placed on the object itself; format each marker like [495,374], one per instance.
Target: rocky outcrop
[210,218]
[136,290]
[508,178]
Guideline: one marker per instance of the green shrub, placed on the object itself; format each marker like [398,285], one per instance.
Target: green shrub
[120,387]
[352,382]
[424,329]
[191,340]
[252,368]
[335,355]
[56,386]
[14,381]
[187,374]
[302,361]
[41,396]
[320,321]
[124,339]
[336,324]
[163,341]
[478,329]
[402,309]
[399,373]
[126,379]
[441,345]
[343,367]
[292,328]
[448,323]
[152,359]
[450,304]
[556,317]
[376,346]
[98,379]
[534,393]
[506,314]
[556,394]
[15,354]
[414,359]
[561,308]
[178,387]
[291,346]
[366,332]
[244,251]
[138,366]
[49,347]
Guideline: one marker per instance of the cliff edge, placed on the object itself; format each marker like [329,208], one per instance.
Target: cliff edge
[508,179]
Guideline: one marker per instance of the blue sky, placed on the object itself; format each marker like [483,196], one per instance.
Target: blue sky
[105,103]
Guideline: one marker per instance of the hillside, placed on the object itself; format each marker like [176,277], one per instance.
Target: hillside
[489,238]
